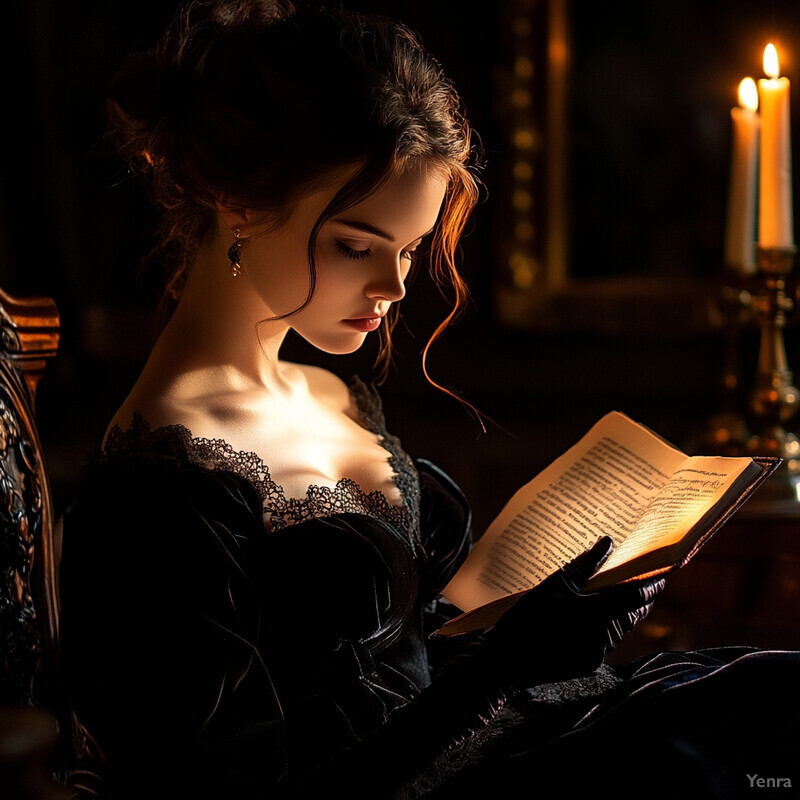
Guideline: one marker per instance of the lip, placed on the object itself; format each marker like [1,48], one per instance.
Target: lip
[364,324]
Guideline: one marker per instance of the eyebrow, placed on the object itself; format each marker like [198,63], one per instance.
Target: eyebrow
[366,228]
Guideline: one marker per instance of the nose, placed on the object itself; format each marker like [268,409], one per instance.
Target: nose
[388,283]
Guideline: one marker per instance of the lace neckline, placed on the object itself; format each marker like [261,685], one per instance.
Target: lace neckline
[176,441]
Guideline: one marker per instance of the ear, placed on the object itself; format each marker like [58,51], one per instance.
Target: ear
[232,214]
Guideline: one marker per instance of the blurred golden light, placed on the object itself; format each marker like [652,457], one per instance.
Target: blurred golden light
[523,170]
[748,94]
[771,61]
[523,67]
[524,138]
[524,231]
[521,200]
[523,279]
[523,270]
[520,98]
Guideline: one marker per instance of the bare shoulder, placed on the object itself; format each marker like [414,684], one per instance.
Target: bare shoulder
[157,411]
[244,417]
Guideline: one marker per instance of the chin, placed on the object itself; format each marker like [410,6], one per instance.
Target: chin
[339,348]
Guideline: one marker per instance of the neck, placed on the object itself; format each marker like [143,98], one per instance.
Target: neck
[219,326]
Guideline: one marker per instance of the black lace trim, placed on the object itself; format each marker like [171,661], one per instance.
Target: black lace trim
[176,441]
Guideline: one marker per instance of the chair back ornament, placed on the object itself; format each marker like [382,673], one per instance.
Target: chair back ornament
[38,732]
[29,336]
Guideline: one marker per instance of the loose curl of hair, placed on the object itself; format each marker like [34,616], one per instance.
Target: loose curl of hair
[257,101]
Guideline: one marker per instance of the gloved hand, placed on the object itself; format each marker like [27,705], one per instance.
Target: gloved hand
[552,633]
[556,631]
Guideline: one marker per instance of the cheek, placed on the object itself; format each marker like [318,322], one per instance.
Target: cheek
[336,281]
[281,281]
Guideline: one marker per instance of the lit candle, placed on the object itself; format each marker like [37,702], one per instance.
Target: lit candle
[775,226]
[741,225]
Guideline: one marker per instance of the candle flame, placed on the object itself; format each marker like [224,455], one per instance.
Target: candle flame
[748,94]
[771,61]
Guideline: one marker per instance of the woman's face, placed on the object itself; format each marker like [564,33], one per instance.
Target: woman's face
[363,256]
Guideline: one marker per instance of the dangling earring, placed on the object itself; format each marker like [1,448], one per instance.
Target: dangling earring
[235,254]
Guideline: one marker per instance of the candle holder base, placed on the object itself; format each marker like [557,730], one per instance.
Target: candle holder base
[775,400]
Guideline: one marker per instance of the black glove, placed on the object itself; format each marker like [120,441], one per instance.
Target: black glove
[556,631]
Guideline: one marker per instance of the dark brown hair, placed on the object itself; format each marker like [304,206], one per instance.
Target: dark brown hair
[257,100]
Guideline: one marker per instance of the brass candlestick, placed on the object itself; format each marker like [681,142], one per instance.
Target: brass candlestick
[774,400]
[727,433]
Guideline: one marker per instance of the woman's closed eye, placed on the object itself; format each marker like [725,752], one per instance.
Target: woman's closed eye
[359,254]
[352,252]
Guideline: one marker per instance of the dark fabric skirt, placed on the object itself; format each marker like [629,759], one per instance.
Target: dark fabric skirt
[718,723]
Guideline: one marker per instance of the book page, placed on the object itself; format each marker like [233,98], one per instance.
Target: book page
[679,506]
[600,486]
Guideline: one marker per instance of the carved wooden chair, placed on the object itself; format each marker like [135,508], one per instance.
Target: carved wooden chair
[30,696]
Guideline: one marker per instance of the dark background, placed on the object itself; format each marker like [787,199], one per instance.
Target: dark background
[651,86]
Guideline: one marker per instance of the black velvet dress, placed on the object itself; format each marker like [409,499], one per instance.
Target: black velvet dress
[222,641]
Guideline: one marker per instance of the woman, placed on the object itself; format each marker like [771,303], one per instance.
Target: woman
[253,563]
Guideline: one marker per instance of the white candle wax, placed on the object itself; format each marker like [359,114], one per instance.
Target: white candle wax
[740,232]
[775,214]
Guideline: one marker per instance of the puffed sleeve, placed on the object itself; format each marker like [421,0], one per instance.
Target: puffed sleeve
[159,628]
[445,526]
[446,530]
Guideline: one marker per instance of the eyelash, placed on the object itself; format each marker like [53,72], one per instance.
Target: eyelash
[360,255]
[356,255]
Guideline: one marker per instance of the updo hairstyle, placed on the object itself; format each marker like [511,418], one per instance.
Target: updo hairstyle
[256,101]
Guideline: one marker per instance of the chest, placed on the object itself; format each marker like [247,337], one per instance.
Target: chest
[310,445]
[322,449]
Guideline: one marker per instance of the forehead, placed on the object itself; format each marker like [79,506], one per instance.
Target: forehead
[407,205]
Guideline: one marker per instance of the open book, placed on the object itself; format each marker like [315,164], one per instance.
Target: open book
[622,480]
